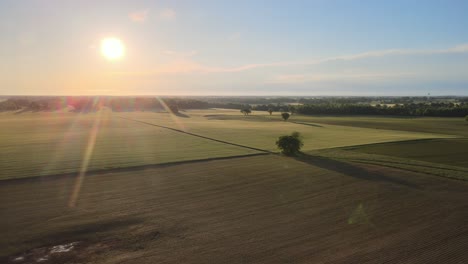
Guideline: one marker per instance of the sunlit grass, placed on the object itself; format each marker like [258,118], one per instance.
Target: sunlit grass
[261,130]
[45,144]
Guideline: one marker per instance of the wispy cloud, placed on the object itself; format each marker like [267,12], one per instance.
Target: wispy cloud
[167,14]
[459,48]
[395,52]
[364,55]
[189,66]
[139,16]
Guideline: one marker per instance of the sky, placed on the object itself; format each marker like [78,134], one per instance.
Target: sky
[235,47]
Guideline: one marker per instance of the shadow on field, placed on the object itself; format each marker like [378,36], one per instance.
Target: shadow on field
[350,170]
[251,118]
[179,114]
[26,110]
[307,124]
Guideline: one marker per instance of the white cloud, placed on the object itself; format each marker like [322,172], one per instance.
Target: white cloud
[139,16]
[167,14]
[458,49]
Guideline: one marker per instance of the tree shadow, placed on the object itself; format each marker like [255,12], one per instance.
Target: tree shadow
[307,124]
[351,170]
[179,114]
[24,110]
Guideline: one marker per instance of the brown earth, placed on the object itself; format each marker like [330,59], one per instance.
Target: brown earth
[262,209]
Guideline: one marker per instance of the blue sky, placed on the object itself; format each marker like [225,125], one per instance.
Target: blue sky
[235,47]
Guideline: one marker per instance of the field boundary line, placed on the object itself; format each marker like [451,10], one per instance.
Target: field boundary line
[200,136]
[411,169]
[394,142]
[124,169]
[462,169]
[390,129]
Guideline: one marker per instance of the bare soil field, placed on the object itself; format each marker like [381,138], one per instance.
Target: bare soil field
[263,209]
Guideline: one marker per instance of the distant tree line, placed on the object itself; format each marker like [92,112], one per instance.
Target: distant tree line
[441,109]
[421,109]
[274,108]
[259,100]
[412,106]
[117,104]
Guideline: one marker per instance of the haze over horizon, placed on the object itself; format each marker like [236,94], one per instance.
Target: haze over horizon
[245,48]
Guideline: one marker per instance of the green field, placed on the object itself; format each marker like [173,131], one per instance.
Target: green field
[446,151]
[56,143]
[261,131]
[440,125]
[45,144]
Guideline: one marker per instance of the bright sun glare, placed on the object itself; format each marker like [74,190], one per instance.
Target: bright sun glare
[112,48]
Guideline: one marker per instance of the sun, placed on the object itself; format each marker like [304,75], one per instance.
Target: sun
[112,48]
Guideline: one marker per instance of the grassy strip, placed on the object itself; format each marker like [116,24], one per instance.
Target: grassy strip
[199,136]
[442,170]
[38,145]
[438,125]
[446,151]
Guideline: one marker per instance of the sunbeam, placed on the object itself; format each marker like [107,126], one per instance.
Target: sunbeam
[61,146]
[173,116]
[86,159]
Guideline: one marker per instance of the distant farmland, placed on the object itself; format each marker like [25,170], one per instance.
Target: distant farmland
[55,143]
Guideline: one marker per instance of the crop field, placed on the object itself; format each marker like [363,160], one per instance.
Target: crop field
[264,209]
[52,143]
[446,151]
[35,145]
[261,131]
[207,186]
[447,126]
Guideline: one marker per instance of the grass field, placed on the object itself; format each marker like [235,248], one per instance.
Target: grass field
[265,209]
[36,144]
[440,125]
[363,192]
[261,131]
[56,143]
[446,151]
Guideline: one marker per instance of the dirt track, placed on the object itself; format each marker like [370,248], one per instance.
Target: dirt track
[263,209]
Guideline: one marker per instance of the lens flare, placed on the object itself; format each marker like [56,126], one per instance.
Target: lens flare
[86,159]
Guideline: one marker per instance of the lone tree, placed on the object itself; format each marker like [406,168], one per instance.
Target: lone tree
[270,111]
[285,116]
[246,111]
[290,145]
